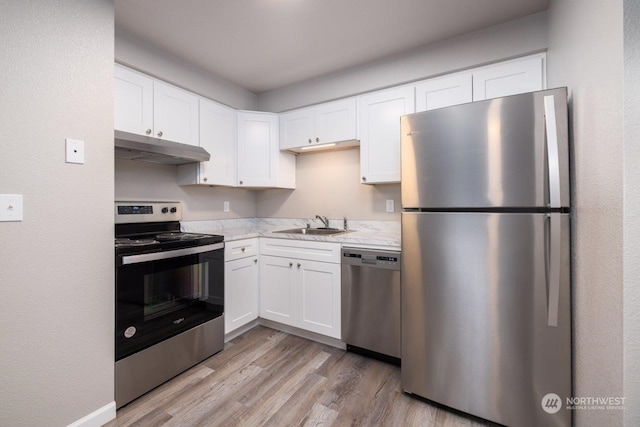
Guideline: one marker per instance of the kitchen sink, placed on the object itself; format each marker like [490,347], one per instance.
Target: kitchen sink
[320,231]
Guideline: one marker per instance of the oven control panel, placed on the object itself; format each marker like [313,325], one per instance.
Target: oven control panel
[131,212]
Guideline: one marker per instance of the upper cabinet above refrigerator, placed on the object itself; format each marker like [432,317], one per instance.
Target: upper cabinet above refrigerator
[379,112]
[509,78]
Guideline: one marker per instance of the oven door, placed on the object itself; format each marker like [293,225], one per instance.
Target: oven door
[161,294]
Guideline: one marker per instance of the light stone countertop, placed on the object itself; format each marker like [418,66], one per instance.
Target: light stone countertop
[382,234]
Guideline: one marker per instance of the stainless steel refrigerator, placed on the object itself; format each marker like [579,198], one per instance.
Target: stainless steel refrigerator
[486,312]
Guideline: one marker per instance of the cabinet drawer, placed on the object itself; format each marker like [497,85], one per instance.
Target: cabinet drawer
[301,249]
[240,249]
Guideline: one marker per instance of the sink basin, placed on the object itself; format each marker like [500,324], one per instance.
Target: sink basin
[320,231]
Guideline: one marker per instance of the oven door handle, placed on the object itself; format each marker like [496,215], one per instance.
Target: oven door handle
[136,259]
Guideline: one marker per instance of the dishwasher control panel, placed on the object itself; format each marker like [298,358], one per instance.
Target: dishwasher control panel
[369,257]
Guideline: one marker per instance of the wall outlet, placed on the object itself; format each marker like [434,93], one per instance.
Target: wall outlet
[390,205]
[226,206]
[10,207]
[74,150]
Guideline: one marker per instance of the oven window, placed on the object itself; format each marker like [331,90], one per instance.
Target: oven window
[158,299]
[171,290]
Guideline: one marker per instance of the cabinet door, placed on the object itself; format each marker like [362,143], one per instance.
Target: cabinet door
[218,137]
[175,114]
[296,128]
[335,121]
[379,130]
[257,149]
[318,296]
[133,101]
[509,78]
[277,290]
[241,292]
[443,92]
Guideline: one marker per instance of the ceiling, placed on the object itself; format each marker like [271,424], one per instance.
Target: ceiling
[266,44]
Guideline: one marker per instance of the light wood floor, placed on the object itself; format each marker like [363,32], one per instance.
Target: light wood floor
[270,378]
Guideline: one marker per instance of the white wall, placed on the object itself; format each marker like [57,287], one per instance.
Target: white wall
[138,54]
[57,265]
[585,54]
[496,43]
[135,180]
[632,212]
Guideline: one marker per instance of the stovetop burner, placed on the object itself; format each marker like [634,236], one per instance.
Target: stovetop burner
[123,241]
[179,236]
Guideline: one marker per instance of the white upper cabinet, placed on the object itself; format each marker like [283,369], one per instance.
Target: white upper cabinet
[326,123]
[218,136]
[260,162]
[444,92]
[150,107]
[297,128]
[509,78]
[175,114]
[379,130]
[133,101]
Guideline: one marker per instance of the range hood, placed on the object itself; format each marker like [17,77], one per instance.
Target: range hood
[131,146]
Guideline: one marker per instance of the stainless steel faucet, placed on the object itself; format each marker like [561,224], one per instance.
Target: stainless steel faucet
[324,220]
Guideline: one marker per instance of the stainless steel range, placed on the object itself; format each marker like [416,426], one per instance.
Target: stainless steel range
[169,296]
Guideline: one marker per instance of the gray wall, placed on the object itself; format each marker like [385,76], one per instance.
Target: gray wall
[147,181]
[496,43]
[136,53]
[632,212]
[329,183]
[57,265]
[585,54]
[340,185]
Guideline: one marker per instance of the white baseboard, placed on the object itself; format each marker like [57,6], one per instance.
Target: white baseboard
[97,418]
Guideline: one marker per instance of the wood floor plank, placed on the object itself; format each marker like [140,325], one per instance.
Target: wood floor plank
[270,378]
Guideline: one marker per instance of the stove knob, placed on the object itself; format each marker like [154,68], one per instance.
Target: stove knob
[165,210]
[174,210]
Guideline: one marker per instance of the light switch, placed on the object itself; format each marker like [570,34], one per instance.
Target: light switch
[10,207]
[226,206]
[390,205]
[75,151]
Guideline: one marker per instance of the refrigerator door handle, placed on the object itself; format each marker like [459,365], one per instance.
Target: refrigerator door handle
[553,281]
[553,162]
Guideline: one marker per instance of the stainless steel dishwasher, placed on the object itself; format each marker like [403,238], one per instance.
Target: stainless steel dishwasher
[371,302]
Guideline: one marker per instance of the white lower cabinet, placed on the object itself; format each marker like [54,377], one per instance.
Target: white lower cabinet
[300,291]
[277,289]
[241,283]
[318,287]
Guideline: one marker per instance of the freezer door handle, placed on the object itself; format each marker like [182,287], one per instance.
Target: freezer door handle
[553,162]
[555,256]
